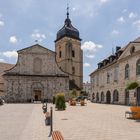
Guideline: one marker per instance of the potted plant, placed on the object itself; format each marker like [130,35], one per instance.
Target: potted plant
[72,96]
[136,109]
[82,102]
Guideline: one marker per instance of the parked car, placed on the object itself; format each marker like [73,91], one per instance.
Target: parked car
[78,98]
[1,101]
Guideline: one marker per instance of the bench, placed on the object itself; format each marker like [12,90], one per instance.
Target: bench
[130,114]
[56,135]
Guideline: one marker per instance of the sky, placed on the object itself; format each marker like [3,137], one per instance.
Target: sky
[103,25]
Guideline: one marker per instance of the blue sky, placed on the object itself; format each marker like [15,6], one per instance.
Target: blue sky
[103,24]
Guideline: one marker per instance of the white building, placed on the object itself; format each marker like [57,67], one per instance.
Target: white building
[110,79]
[87,87]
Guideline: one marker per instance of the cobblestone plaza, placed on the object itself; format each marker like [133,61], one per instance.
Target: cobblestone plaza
[91,122]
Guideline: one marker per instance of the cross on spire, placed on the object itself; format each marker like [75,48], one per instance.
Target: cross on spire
[67,10]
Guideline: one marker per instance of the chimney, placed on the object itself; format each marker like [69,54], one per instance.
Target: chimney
[118,48]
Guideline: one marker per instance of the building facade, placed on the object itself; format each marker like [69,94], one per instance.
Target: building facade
[3,67]
[36,76]
[87,87]
[69,55]
[109,81]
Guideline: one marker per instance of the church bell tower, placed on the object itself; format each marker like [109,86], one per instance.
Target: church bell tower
[69,55]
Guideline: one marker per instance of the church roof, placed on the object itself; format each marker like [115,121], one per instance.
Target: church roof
[67,30]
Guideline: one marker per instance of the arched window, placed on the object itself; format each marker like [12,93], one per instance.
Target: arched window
[127,71]
[37,65]
[138,67]
[102,96]
[115,96]
[73,70]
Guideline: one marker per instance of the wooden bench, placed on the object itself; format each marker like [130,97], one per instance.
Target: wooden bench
[56,135]
[130,114]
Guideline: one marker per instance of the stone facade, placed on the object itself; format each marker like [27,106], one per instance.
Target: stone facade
[3,67]
[36,76]
[87,87]
[71,59]
[114,73]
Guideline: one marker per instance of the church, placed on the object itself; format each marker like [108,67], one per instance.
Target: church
[40,73]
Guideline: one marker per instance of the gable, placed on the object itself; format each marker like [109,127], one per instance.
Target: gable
[36,60]
[35,49]
[128,49]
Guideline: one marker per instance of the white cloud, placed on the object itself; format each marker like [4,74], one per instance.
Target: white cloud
[115,32]
[132,15]
[2,60]
[2,23]
[90,48]
[10,54]
[103,1]
[13,39]
[121,19]
[38,36]
[87,65]
[137,24]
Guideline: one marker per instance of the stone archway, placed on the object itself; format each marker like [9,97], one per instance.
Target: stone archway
[93,96]
[126,97]
[37,91]
[108,97]
[97,97]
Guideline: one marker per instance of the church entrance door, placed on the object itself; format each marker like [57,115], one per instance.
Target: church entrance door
[37,95]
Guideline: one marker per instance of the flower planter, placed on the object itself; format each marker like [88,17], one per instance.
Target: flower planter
[72,103]
[137,110]
[82,102]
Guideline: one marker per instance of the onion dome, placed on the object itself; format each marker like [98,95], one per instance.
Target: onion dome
[68,30]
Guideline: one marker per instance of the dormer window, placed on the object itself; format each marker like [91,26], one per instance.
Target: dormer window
[132,49]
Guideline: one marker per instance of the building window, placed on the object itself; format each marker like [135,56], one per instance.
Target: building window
[73,70]
[60,54]
[108,77]
[138,67]
[132,49]
[73,53]
[116,74]
[97,80]
[115,96]
[37,65]
[127,71]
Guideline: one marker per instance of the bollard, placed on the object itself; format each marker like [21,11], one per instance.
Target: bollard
[51,126]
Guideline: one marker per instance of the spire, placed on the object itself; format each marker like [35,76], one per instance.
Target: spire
[67,11]
[67,20]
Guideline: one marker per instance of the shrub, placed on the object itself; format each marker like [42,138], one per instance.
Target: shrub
[132,85]
[60,101]
[73,94]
